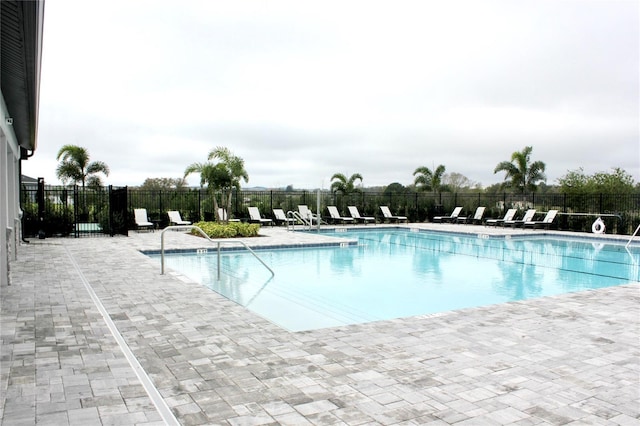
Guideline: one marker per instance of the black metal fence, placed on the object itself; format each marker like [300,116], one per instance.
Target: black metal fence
[88,212]
[73,211]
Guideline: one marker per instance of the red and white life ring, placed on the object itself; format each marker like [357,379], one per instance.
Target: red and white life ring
[598,226]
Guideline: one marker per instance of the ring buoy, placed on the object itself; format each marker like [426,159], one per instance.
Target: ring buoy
[598,226]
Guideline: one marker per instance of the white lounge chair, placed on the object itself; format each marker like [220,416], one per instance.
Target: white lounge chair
[476,218]
[255,217]
[546,222]
[335,216]
[281,218]
[176,219]
[509,215]
[142,220]
[355,214]
[391,218]
[528,217]
[451,218]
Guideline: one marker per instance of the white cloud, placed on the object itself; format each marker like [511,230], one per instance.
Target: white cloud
[302,91]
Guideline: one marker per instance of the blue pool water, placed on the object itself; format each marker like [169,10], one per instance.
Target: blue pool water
[398,273]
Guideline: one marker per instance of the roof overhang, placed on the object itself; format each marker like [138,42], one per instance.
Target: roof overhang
[21,30]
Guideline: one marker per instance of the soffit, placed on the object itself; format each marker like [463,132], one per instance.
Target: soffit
[21,25]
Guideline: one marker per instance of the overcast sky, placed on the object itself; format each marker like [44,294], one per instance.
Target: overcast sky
[303,90]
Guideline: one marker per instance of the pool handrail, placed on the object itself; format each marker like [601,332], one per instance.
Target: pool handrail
[218,241]
[307,223]
[295,216]
[634,234]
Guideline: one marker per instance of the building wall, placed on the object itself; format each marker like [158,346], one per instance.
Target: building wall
[9,195]
[21,56]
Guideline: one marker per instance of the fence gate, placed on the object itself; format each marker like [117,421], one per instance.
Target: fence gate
[118,211]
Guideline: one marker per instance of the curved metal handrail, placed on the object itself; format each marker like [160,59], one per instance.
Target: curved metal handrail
[292,215]
[307,222]
[217,241]
[631,238]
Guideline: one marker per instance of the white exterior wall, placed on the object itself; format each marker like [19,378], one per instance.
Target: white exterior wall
[9,195]
[13,201]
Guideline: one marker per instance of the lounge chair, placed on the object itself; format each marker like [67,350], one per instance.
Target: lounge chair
[546,222]
[528,217]
[307,214]
[222,214]
[355,214]
[391,218]
[476,218]
[335,216]
[142,220]
[509,215]
[280,218]
[255,217]
[176,219]
[453,217]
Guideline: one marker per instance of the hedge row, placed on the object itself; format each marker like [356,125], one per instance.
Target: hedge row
[227,230]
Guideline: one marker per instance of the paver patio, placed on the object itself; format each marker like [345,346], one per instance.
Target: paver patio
[569,359]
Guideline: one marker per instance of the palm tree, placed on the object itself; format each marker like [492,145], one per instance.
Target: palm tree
[221,177]
[75,167]
[340,183]
[427,180]
[521,174]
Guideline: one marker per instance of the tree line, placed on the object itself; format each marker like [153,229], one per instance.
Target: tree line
[224,172]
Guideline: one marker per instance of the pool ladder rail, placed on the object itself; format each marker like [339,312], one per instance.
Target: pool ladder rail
[218,241]
[307,222]
[632,237]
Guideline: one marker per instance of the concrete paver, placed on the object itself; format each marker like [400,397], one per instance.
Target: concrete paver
[569,359]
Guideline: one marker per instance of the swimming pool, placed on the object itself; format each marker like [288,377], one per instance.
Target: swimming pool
[397,273]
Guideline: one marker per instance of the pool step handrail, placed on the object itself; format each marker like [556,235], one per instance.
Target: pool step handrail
[306,222]
[218,241]
[634,234]
[296,217]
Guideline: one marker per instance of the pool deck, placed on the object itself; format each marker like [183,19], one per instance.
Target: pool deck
[92,333]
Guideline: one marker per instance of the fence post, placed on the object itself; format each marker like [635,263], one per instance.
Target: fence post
[75,209]
[65,215]
[41,198]
[271,202]
[600,207]
[110,212]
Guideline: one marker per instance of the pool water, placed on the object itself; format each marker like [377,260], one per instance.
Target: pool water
[398,273]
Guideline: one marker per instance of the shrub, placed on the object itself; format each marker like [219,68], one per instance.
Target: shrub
[227,230]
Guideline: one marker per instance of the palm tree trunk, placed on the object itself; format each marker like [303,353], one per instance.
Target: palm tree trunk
[228,203]
[216,211]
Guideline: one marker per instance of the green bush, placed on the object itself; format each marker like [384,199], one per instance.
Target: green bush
[227,230]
